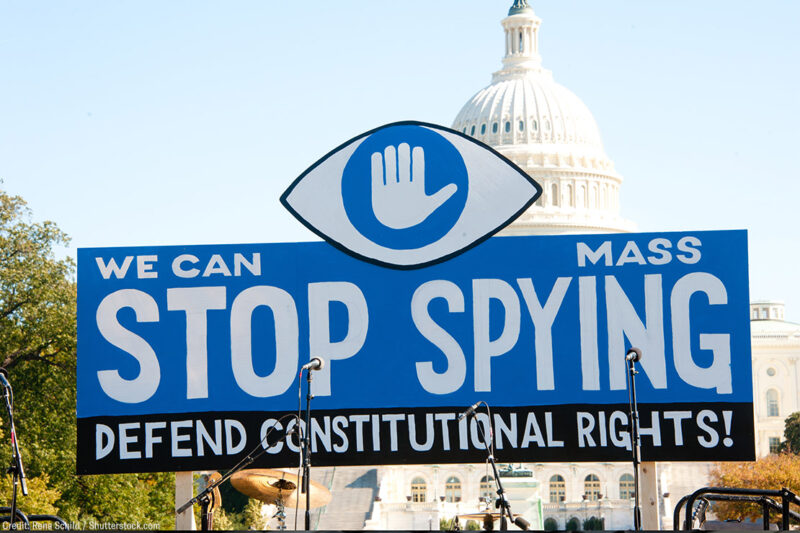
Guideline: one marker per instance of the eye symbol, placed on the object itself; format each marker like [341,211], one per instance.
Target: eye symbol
[409,194]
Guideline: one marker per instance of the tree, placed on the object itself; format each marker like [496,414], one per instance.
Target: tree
[771,472]
[594,524]
[791,434]
[38,348]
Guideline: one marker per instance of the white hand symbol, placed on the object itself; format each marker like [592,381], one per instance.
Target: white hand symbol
[398,188]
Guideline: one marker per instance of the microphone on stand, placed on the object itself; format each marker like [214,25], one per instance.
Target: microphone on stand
[316,363]
[470,410]
[634,354]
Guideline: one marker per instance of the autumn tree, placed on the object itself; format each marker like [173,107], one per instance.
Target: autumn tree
[38,348]
[772,472]
[791,434]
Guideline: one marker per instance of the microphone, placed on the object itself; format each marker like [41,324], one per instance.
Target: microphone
[315,364]
[4,378]
[634,354]
[522,523]
[470,410]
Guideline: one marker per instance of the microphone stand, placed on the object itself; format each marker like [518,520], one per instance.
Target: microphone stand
[502,502]
[634,433]
[15,469]
[304,487]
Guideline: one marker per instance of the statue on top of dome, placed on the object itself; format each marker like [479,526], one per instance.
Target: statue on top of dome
[519,6]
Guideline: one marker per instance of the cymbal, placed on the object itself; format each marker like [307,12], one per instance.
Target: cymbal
[269,486]
[481,516]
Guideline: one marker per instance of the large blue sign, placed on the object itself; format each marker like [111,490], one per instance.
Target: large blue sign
[189,355]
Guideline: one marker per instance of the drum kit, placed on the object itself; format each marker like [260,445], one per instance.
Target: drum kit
[278,488]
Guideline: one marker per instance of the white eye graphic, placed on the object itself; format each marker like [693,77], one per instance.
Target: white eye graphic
[409,194]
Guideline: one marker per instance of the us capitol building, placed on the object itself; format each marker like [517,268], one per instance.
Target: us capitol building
[548,131]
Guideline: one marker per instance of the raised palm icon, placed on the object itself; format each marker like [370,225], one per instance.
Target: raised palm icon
[399,200]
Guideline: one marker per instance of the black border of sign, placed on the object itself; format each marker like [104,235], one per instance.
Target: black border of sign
[339,246]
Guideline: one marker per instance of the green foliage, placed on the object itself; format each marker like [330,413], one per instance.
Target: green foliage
[447,525]
[593,524]
[791,434]
[222,522]
[253,516]
[40,499]
[550,524]
[771,472]
[573,524]
[38,347]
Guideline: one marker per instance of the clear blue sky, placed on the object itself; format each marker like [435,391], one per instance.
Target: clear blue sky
[181,122]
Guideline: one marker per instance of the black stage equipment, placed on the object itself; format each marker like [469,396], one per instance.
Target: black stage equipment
[631,358]
[501,503]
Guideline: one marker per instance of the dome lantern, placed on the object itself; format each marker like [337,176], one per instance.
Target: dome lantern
[522,37]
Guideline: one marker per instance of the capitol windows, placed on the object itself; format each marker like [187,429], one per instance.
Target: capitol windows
[771,372]
[487,489]
[774,444]
[535,125]
[558,489]
[570,198]
[554,194]
[508,126]
[452,490]
[626,487]
[772,403]
[419,490]
[483,129]
[472,130]
[494,127]
[521,125]
[591,488]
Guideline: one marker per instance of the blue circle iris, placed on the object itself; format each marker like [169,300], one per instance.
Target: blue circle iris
[443,166]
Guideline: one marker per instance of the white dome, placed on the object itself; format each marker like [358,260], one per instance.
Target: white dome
[529,110]
[550,133]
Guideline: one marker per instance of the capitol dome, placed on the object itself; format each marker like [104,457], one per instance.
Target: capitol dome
[548,132]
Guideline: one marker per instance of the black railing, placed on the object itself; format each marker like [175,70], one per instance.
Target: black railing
[23,521]
[764,497]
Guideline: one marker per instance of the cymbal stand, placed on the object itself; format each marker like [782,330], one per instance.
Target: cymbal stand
[280,514]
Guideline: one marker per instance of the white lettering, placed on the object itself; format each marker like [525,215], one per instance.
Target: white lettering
[454,375]
[145,308]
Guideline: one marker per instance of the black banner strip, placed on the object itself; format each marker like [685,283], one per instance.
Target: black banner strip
[560,433]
